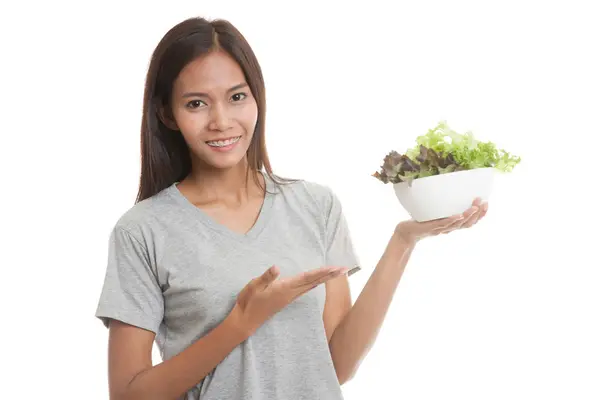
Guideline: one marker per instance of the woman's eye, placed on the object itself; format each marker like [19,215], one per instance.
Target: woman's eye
[195,103]
[239,96]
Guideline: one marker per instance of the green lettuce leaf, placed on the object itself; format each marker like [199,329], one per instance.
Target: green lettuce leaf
[442,150]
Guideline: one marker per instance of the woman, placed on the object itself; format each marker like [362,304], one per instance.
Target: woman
[240,277]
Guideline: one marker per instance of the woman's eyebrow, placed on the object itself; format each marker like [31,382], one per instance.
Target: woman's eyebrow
[201,94]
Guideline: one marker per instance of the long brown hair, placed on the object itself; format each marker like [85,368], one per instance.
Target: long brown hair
[165,157]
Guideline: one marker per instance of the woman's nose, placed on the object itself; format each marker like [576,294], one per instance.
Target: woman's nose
[219,119]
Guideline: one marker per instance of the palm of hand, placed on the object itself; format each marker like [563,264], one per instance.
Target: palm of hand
[413,231]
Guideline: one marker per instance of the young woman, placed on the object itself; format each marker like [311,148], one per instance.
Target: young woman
[241,277]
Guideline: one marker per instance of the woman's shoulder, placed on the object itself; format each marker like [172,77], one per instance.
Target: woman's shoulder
[310,192]
[145,214]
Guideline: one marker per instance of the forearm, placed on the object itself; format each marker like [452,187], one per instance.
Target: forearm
[356,333]
[174,377]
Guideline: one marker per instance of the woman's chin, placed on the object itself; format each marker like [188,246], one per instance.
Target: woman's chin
[225,160]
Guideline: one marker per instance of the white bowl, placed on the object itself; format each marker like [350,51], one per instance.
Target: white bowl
[445,195]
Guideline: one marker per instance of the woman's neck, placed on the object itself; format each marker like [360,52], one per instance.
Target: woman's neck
[233,185]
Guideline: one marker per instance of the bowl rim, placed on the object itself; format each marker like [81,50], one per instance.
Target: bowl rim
[446,174]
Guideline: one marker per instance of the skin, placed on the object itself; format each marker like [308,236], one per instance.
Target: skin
[211,101]
[353,329]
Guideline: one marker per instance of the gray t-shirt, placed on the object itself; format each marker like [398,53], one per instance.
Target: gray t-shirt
[175,271]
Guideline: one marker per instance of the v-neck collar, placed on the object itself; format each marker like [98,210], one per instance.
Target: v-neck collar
[255,230]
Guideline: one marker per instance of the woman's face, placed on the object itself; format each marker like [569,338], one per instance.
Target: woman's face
[214,109]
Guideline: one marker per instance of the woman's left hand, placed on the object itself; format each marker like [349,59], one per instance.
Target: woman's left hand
[412,231]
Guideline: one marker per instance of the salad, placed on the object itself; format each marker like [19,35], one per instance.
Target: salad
[440,151]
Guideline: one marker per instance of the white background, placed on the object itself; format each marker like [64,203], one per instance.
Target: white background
[506,310]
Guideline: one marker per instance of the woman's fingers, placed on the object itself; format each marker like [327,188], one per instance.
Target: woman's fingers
[473,216]
[443,223]
[323,279]
[451,227]
[309,279]
[484,211]
[267,277]
[481,211]
[470,218]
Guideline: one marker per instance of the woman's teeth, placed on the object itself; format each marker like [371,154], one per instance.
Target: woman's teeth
[223,143]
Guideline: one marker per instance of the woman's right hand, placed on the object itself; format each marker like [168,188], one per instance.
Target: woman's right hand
[266,295]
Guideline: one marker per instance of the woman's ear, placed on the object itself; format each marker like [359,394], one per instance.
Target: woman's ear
[166,117]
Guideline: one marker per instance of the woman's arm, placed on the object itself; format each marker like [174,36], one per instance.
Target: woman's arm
[354,329]
[132,376]
[356,332]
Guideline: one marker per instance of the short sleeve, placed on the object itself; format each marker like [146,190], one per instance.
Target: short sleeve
[131,293]
[340,249]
